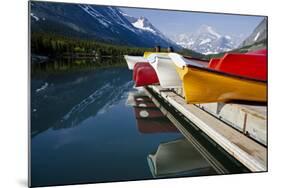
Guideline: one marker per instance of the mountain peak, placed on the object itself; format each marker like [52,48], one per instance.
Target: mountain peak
[143,24]
[207,40]
[208,29]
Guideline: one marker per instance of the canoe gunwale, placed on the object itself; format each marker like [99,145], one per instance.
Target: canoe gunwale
[197,59]
[133,60]
[181,62]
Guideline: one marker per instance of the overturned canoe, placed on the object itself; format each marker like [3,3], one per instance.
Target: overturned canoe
[165,70]
[251,65]
[137,66]
[144,75]
[203,85]
[132,60]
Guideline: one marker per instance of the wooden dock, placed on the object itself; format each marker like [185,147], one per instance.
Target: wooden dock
[248,119]
[249,152]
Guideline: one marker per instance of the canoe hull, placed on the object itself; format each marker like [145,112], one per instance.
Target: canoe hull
[132,60]
[145,75]
[166,72]
[203,86]
[137,66]
[248,65]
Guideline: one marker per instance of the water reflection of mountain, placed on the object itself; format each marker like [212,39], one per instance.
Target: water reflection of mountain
[178,158]
[68,99]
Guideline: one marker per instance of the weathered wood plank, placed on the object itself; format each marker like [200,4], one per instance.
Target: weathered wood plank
[249,119]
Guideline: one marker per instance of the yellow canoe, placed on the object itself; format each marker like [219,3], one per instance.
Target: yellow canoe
[203,85]
[146,54]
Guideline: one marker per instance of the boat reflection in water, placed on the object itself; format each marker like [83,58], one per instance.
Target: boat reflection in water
[149,119]
[178,157]
[174,158]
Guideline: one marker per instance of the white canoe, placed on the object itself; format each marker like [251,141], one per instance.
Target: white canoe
[132,60]
[180,61]
[165,70]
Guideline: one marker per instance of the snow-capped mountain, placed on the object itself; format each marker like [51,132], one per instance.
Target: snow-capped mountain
[140,23]
[143,24]
[207,40]
[152,32]
[103,23]
[259,34]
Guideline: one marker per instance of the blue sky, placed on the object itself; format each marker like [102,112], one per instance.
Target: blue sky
[177,22]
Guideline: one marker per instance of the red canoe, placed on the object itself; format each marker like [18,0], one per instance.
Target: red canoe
[250,65]
[144,75]
[138,65]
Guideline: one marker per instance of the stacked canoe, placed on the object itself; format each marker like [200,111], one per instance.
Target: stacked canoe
[235,77]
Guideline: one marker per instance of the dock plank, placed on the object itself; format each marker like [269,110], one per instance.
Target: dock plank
[249,119]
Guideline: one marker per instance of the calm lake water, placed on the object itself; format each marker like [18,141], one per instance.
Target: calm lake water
[93,126]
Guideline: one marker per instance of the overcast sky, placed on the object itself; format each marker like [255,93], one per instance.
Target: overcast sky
[177,22]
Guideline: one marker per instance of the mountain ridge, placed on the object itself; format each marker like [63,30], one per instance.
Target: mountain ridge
[207,40]
[258,34]
[102,23]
